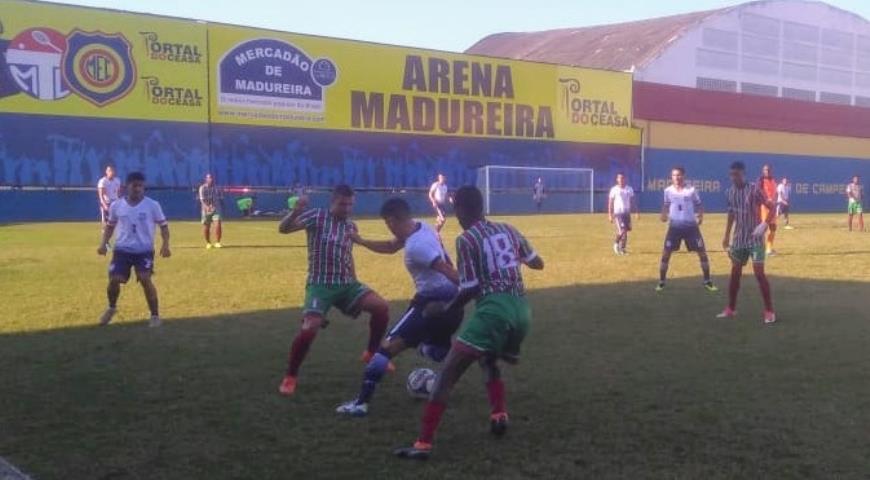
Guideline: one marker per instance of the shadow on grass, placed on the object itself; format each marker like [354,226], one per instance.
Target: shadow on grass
[616,382]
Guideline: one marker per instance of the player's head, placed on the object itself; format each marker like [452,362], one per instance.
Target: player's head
[766,171]
[737,172]
[209,179]
[342,201]
[397,215]
[784,181]
[855,178]
[620,179]
[678,176]
[135,185]
[468,204]
[110,172]
[441,178]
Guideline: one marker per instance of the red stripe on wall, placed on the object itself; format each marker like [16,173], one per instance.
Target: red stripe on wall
[653,101]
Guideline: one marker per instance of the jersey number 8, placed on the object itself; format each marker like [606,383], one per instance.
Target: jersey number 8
[499,252]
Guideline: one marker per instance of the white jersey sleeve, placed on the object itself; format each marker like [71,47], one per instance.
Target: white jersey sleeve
[157,213]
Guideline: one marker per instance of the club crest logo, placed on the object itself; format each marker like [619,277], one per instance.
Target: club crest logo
[99,66]
[33,60]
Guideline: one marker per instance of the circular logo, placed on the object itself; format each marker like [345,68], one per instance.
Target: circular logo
[99,66]
[324,72]
[33,58]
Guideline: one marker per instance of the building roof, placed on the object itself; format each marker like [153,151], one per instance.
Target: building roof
[621,46]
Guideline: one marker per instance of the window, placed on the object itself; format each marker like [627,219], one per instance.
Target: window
[799,32]
[862,102]
[713,59]
[837,39]
[716,84]
[798,94]
[759,25]
[719,39]
[800,52]
[835,77]
[835,98]
[762,66]
[767,47]
[758,89]
[798,72]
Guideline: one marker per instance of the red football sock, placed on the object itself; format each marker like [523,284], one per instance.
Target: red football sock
[764,285]
[495,389]
[299,349]
[377,328]
[431,419]
[734,286]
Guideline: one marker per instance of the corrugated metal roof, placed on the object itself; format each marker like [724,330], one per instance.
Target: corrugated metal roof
[621,46]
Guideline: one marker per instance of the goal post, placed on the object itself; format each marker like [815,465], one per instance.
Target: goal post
[509,190]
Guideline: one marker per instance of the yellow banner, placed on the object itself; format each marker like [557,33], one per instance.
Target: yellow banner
[72,61]
[269,78]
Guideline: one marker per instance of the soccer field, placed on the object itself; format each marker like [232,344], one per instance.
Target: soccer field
[616,380]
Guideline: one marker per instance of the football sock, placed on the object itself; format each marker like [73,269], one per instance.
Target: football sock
[299,349]
[764,285]
[663,271]
[734,287]
[112,292]
[377,327]
[495,391]
[218,231]
[431,419]
[705,267]
[373,373]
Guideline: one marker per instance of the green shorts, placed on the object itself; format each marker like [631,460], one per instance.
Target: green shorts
[742,255]
[856,208]
[320,298]
[498,326]
[207,218]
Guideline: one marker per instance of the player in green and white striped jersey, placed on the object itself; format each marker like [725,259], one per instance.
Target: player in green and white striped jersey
[331,278]
[490,257]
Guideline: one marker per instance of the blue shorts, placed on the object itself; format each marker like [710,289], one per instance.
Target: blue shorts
[442,209]
[690,235]
[413,328]
[124,262]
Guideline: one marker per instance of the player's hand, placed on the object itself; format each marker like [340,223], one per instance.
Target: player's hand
[356,238]
[102,249]
[637,216]
[610,218]
[726,244]
[164,251]
[700,220]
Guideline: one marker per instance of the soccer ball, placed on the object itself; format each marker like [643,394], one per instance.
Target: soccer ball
[421,382]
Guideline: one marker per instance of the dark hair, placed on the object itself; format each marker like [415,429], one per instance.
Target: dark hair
[342,190]
[469,199]
[738,166]
[396,208]
[135,177]
[679,168]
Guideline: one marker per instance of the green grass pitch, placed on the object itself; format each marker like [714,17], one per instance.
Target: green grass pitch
[616,381]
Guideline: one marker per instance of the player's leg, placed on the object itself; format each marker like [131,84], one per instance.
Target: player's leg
[119,273]
[738,257]
[695,243]
[495,392]
[150,291]
[763,284]
[408,332]
[365,300]
[626,227]
[771,236]
[663,268]
[860,218]
[218,230]
[206,229]
[318,301]
[850,211]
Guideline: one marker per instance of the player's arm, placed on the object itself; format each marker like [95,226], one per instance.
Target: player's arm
[634,206]
[699,207]
[107,235]
[432,194]
[771,208]
[528,255]
[386,247]
[102,195]
[444,268]
[663,216]
[164,238]
[291,223]
[729,224]
[610,208]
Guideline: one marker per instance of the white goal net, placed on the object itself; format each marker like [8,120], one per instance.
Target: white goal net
[509,190]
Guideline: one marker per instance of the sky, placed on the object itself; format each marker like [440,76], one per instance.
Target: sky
[452,25]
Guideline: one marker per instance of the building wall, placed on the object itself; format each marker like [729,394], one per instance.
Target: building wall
[795,49]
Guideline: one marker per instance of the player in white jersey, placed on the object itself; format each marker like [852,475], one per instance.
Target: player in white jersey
[684,213]
[436,283]
[621,202]
[108,190]
[439,197]
[783,201]
[135,218]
